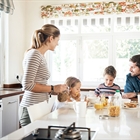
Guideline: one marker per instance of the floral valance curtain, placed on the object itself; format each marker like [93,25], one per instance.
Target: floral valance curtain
[7,6]
[91,8]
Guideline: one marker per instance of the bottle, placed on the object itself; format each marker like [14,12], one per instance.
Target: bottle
[117,91]
[118,94]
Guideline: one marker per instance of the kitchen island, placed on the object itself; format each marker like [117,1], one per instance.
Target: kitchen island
[125,127]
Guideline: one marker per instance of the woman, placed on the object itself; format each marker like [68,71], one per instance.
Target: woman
[36,73]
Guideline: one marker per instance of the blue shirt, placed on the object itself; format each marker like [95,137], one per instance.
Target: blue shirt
[132,84]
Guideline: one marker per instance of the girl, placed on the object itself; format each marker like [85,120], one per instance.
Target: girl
[108,88]
[74,86]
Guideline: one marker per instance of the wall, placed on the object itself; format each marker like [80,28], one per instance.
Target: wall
[16,43]
[22,23]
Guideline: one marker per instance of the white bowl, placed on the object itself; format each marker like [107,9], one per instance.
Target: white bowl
[69,105]
[92,99]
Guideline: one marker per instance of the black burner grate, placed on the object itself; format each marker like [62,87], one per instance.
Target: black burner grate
[78,133]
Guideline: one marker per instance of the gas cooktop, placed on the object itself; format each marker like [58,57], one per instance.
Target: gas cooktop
[62,133]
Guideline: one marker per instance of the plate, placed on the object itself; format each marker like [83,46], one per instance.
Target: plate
[130,108]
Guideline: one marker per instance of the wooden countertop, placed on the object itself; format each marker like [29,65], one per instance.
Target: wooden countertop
[7,92]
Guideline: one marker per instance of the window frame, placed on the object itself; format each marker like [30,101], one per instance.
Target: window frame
[112,36]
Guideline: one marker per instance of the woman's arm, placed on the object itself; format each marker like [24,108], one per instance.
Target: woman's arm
[35,70]
[47,88]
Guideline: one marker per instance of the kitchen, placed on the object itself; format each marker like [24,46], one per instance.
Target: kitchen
[17,44]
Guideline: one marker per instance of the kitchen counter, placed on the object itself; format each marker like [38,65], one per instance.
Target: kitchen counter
[7,92]
[125,127]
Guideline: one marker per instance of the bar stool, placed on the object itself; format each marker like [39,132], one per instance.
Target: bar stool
[41,109]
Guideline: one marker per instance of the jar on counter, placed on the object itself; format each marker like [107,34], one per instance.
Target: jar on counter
[114,106]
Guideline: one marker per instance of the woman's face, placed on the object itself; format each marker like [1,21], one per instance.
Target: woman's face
[74,91]
[53,42]
[109,80]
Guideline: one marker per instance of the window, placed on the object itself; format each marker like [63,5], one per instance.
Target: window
[89,44]
[2,24]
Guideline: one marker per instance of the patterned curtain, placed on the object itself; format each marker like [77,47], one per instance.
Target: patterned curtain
[7,6]
[91,8]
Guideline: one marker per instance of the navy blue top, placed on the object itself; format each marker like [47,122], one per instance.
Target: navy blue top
[132,84]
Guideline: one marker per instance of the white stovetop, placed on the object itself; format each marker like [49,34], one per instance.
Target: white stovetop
[125,127]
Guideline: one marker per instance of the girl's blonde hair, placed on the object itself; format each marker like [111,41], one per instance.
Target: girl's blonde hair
[72,81]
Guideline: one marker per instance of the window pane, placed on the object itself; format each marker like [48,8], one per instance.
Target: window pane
[127,24]
[95,59]
[98,25]
[64,61]
[66,26]
[126,48]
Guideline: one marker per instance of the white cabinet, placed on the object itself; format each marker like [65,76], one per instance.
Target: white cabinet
[10,114]
[1,107]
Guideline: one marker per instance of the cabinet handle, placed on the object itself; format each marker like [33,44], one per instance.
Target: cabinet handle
[11,102]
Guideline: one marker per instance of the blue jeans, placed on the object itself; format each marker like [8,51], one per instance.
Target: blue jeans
[24,118]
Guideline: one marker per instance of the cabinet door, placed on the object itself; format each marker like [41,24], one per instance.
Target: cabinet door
[9,115]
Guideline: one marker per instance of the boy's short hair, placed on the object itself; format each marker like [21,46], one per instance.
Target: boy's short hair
[110,70]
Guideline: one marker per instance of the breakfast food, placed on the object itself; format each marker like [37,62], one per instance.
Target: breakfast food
[98,106]
[76,96]
[105,102]
[130,105]
[114,111]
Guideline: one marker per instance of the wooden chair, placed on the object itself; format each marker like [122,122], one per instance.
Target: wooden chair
[41,109]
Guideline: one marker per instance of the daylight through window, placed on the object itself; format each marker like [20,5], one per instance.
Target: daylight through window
[89,44]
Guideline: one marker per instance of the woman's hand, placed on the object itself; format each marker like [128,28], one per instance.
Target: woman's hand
[60,88]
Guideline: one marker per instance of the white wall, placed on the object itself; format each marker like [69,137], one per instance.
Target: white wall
[22,23]
[16,43]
